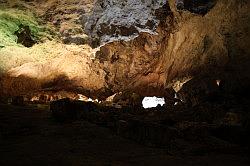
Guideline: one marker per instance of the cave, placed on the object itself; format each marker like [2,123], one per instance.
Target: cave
[125,82]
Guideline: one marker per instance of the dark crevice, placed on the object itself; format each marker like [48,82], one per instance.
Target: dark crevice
[24,36]
[201,7]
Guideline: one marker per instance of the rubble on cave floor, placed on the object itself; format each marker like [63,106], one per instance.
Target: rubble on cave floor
[197,128]
[202,129]
[30,136]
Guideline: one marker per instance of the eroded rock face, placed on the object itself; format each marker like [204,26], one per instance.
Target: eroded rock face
[116,20]
[72,71]
[130,58]
[148,46]
[185,44]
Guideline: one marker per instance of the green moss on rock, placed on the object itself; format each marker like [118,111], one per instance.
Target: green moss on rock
[11,19]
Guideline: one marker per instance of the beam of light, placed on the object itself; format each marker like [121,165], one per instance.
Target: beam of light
[150,102]
[218,82]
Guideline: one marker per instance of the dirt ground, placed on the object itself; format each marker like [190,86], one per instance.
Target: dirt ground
[29,136]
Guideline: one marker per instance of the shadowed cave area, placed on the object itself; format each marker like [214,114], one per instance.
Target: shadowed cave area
[115,82]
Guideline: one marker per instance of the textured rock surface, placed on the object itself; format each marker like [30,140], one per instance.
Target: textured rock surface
[69,71]
[146,50]
[186,44]
[115,20]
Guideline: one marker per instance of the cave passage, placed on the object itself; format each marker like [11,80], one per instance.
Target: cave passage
[125,82]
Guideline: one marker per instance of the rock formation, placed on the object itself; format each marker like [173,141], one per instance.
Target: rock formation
[138,46]
[185,44]
[96,60]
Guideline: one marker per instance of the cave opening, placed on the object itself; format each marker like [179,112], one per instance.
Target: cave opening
[151,102]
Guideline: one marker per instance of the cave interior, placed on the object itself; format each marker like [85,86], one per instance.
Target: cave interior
[125,82]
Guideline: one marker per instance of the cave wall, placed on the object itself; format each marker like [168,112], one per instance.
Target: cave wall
[144,47]
[186,44]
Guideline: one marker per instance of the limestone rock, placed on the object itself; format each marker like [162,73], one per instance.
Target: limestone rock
[122,20]
[141,46]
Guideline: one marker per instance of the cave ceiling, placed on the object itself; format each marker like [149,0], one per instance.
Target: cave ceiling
[99,48]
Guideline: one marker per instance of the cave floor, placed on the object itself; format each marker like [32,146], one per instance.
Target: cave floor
[29,136]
